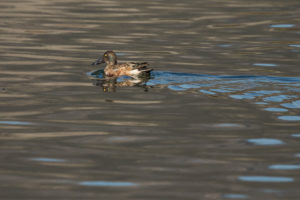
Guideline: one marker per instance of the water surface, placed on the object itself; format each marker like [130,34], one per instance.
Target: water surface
[214,121]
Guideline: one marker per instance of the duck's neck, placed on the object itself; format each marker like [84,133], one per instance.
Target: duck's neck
[112,62]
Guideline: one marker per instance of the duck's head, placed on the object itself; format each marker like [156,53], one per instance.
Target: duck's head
[109,57]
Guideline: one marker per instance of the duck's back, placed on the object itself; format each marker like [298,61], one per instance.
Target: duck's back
[128,69]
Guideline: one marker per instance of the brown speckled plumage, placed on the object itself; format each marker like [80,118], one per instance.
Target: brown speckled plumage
[113,69]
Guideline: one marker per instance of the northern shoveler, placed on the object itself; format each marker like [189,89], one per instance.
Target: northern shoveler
[113,69]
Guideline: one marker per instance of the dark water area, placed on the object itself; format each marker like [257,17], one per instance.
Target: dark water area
[218,118]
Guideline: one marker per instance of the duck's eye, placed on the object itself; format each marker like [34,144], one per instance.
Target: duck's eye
[105,55]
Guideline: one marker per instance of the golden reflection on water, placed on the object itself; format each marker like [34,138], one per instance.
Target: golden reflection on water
[23,62]
[107,122]
[41,135]
[46,57]
[33,73]
[12,128]
[10,115]
[9,95]
[59,84]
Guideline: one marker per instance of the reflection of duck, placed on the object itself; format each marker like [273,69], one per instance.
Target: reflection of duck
[109,84]
[113,69]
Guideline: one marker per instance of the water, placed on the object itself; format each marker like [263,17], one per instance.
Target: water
[15,123]
[284,167]
[235,196]
[266,179]
[106,184]
[265,141]
[217,119]
[47,160]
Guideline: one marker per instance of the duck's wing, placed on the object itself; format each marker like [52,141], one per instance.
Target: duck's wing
[141,66]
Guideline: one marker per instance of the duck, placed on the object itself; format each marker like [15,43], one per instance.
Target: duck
[115,69]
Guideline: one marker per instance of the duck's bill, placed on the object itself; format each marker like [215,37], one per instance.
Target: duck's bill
[98,62]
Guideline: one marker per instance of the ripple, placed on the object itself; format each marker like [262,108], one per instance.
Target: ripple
[221,90]
[284,167]
[261,103]
[235,196]
[279,98]
[265,141]
[164,77]
[265,64]
[274,179]
[294,104]
[295,135]
[189,80]
[282,25]
[294,45]
[265,92]
[193,85]
[47,159]
[225,45]
[15,123]
[289,118]
[107,183]
[295,50]
[229,125]
[176,88]
[276,109]
[243,96]
[206,92]
[234,86]
[253,94]
[271,191]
